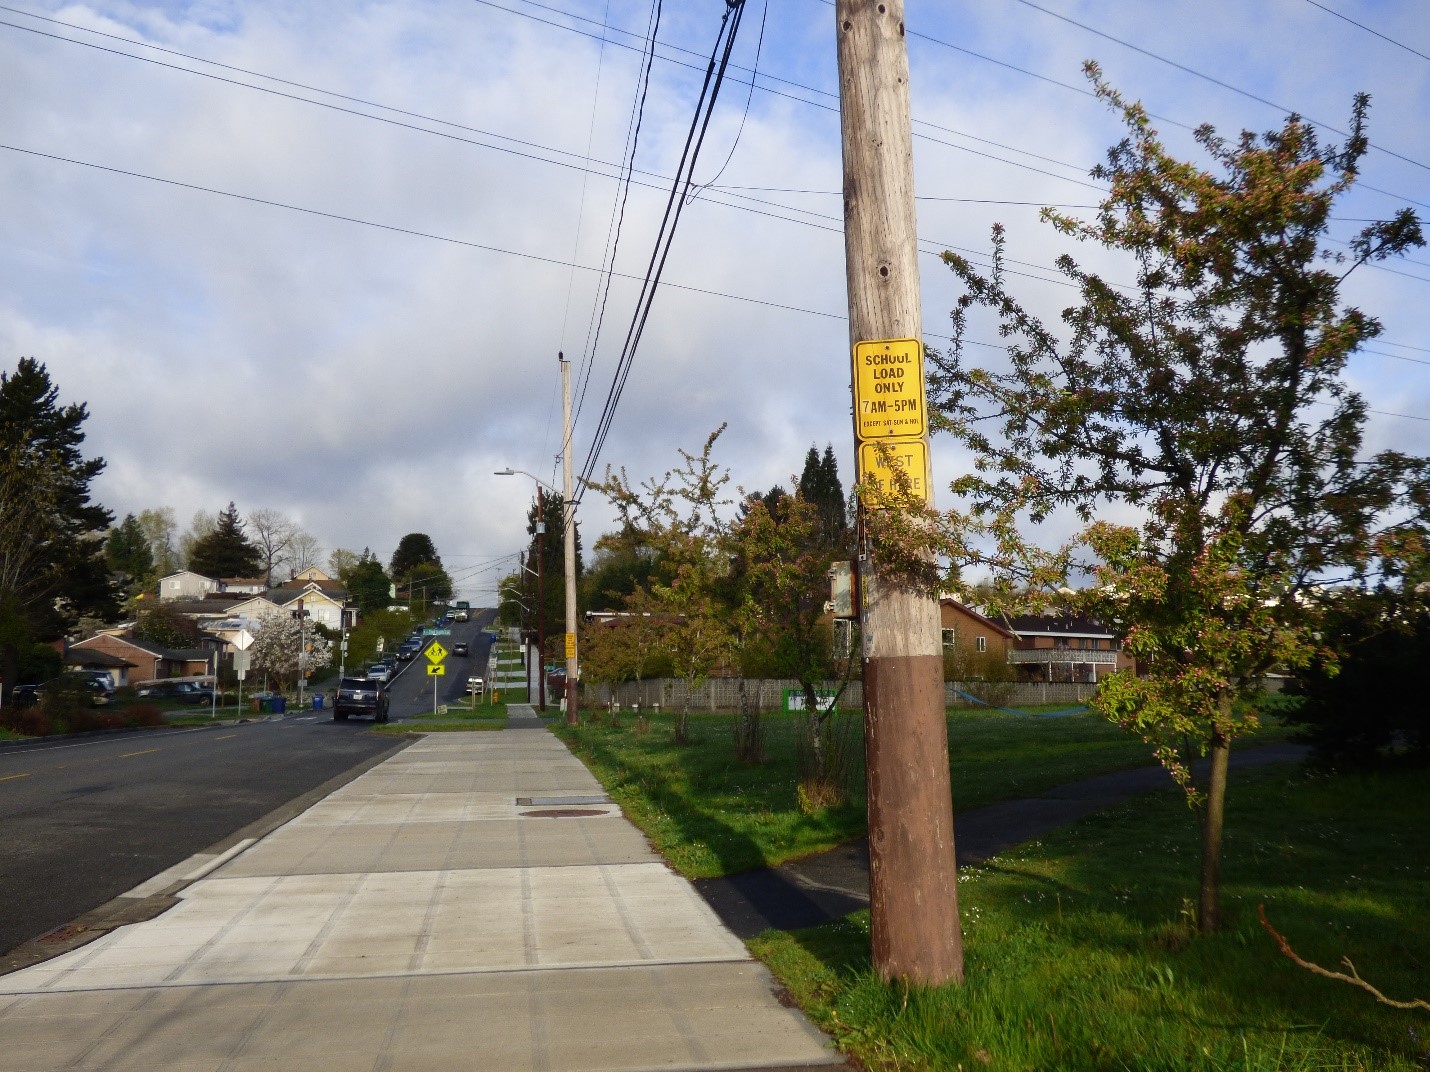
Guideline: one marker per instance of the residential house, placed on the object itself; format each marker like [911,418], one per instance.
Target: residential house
[116,667]
[145,660]
[215,605]
[311,600]
[254,608]
[971,634]
[1053,647]
[186,584]
[243,586]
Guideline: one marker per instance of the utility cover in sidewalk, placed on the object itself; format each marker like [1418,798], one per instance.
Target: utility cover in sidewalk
[545,802]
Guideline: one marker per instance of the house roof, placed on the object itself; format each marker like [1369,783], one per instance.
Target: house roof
[247,582]
[283,596]
[175,654]
[205,606]
[1057,625]
[981,619]
[87,657]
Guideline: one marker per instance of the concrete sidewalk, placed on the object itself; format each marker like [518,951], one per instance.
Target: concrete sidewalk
[474,902]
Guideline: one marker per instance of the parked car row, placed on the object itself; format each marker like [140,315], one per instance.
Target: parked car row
[188,691]
[96,685]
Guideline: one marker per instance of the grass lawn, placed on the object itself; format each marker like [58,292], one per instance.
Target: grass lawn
[1079,954]
[710,815]
[458,719]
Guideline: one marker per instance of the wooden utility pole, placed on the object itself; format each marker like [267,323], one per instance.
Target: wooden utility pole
[568,524]
[540,601]
[913,884]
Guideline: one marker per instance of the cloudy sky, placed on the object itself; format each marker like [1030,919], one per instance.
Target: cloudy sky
[378,223]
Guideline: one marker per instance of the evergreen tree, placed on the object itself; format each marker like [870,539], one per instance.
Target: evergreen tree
[820,487]
[226,551]
[368,584]
[52,567]
[128,555]
[414,549]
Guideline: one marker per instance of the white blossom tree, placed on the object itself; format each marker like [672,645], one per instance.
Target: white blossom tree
[286,646]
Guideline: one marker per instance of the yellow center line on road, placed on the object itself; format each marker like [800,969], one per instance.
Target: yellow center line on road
[12,777]
[226,737]
[146,751]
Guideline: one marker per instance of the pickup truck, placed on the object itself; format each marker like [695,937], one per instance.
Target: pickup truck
[360,696]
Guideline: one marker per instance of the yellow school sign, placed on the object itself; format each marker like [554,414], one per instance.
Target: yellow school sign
[890,414]
[889,389]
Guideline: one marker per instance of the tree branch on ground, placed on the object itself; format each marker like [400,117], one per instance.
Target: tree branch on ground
[1353,978]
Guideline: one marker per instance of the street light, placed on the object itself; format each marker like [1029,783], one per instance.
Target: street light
[568,525]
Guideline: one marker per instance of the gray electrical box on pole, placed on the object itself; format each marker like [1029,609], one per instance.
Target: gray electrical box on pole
[913,882]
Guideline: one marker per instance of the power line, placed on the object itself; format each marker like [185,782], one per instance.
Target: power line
[670,220]
[1367,29]
[411,232]
[1209,78]
[613,230]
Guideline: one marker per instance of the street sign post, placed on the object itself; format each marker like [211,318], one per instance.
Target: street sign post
[436,654]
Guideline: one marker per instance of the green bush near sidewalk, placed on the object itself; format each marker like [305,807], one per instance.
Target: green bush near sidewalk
[1081,952]
[710,815]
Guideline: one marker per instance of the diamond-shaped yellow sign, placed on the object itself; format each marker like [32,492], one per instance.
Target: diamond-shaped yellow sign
[436,670]
[436,653]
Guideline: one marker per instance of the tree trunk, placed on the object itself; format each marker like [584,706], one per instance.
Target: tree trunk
[1213,816]
[816,733]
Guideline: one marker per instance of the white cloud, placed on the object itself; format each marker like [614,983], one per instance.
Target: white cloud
[370,382]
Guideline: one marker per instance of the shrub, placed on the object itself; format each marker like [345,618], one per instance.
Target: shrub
[827,754]
[1371,712]
[30,721]
[144,714]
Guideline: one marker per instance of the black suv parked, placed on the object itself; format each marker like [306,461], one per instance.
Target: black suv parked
[360,696]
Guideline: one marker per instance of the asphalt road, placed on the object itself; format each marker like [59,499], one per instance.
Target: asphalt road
[85,820]
[410,692]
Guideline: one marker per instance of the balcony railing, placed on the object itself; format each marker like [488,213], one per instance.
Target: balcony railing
[1062,655]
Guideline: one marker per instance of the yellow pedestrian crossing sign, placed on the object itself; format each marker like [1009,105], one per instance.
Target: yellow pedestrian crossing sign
[436,670]
[436,653]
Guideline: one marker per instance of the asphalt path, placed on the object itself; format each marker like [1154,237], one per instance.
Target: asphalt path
[85,820]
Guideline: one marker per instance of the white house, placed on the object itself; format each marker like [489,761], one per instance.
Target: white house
[186,584]
[319,606]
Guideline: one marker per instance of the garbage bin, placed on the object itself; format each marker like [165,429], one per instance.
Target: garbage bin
[317,701]
[256,705]
[279,705]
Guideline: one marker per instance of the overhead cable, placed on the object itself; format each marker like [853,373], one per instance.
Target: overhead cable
[670,220]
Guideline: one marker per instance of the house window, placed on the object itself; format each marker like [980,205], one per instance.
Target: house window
[982,643]
[173,584]
[949,636]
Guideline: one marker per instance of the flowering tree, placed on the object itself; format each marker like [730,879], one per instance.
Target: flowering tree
[285,647]
[677,518]
[1208,402]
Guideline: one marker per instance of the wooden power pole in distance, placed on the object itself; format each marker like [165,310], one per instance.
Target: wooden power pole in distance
[568,526]
[913,882]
